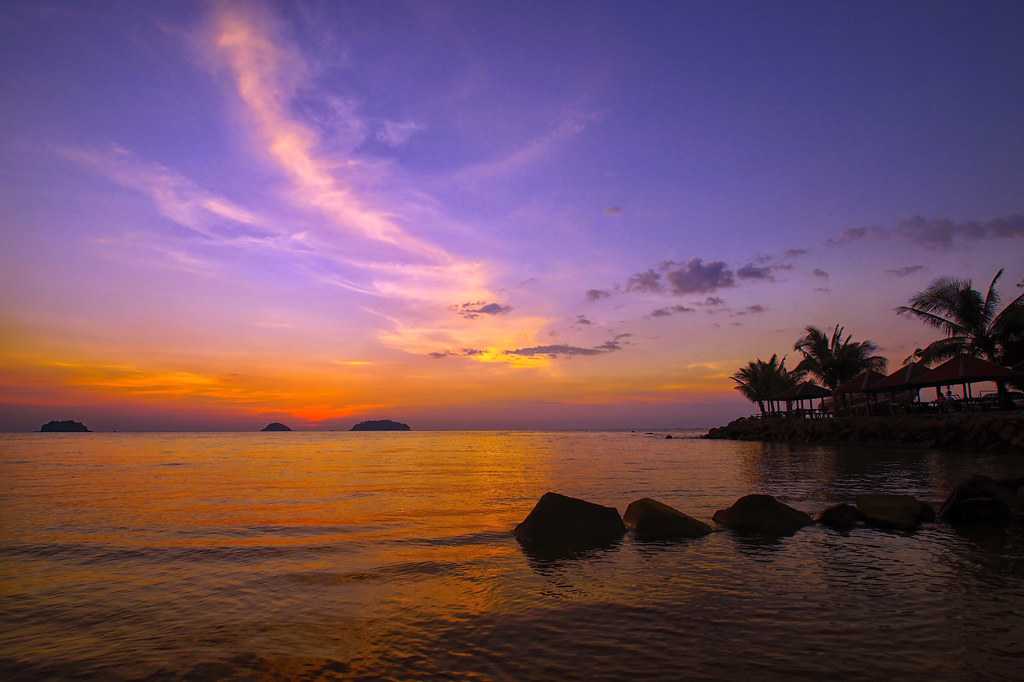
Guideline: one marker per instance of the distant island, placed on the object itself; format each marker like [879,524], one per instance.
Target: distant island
[275,426]
[381,425]
[66,426]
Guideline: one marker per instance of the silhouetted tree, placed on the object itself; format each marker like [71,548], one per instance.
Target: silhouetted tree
[761,381]
[970,322]
[834,359]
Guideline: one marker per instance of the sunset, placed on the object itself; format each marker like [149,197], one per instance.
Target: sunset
[649,257]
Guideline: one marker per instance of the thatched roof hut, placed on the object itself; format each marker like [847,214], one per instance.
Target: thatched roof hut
[912,375]
[964,369]
[805,390]
[862,383]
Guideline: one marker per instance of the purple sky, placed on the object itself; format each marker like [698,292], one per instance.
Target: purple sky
[482,215]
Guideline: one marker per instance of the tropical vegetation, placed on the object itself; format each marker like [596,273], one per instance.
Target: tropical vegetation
[835,359]
[760,381]
[970,322]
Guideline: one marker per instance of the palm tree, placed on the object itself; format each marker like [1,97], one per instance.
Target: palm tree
[970,322]
[835,360]
[761,381]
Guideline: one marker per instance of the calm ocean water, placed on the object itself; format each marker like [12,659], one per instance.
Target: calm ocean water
[389,555]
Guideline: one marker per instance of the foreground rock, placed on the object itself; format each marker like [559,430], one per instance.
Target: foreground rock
[381,425]
[66,426]
[764,515]
[652,520]
[275,426]
[981,499]
[902,512]
[565,523]
[841,517]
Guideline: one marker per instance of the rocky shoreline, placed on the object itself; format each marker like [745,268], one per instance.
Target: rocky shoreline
[560,525]
[990,432]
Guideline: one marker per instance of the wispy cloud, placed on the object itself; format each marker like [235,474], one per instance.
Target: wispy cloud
[565,350]
[269,74]
[176,197]
[475,309]
[597,294]
[648,281]
[938,233]
[905,271]
[671,310]
[818,272]
[765,273]
[529,153]
[755,309]
[397,133]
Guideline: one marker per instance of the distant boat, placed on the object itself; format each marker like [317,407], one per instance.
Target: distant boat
[276,426]
[381,425]
[66,426]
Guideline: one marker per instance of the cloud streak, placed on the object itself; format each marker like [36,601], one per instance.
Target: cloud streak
[475,309]
[937,233]
[176,197]
[269,75]
[671,310]
[905,271]
[565,350]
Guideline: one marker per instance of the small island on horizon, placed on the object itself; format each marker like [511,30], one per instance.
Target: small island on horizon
[276,426]
[381,425]
[64,426]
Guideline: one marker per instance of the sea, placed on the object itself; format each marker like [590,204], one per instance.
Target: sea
[329,555]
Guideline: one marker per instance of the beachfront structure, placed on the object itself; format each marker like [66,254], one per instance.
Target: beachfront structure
[808,392]
[903,386]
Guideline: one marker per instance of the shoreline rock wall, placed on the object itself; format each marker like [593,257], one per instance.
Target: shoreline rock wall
[992,432]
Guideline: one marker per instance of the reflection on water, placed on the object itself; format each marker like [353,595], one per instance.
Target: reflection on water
[338,555]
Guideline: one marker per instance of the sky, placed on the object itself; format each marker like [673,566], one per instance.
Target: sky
[482,215]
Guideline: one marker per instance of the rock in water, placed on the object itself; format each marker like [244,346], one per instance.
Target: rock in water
[980,499]
[275,426]
[840,517]
[902,512]
[566,523]
[762,514]
[66,426]
[381,425]
[652,520]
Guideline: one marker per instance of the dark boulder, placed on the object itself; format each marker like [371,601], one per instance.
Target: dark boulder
[381,425]
[762,514]
[980,499]
[66,426]
[275,426]
[652,520]
[567,523]
[901,512]
[840,517]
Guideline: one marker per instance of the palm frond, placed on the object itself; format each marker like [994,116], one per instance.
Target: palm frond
[948,326]
[943,349]
[991,298]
